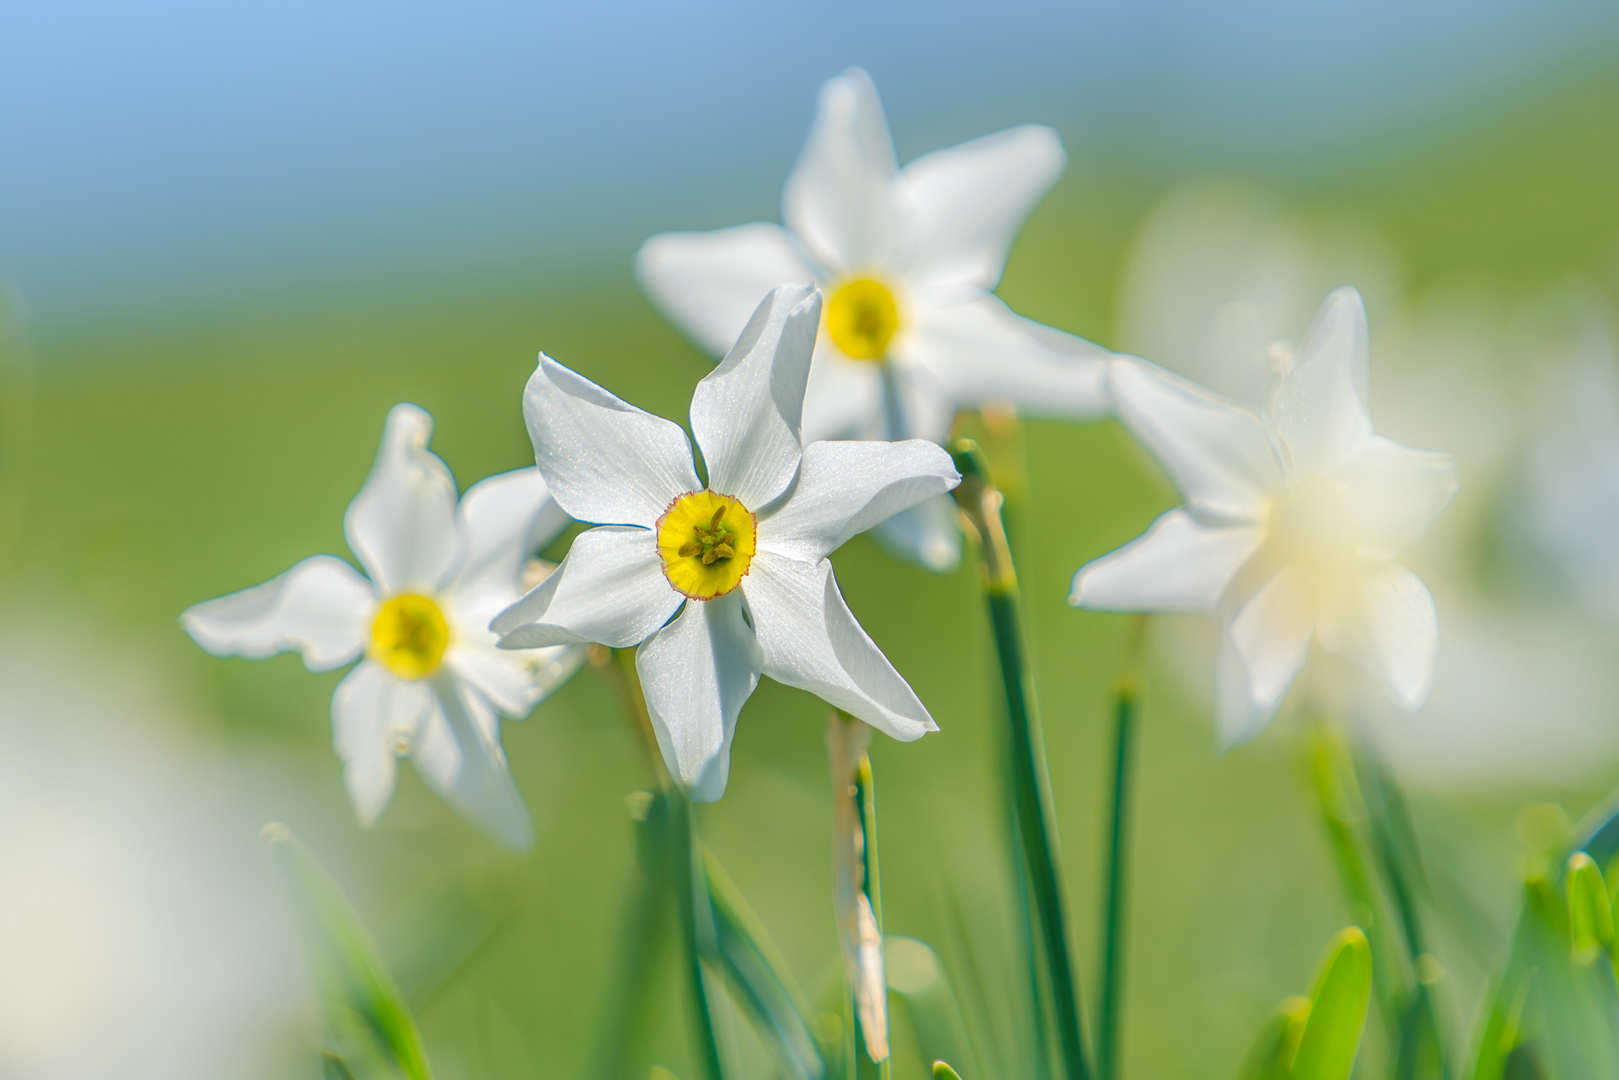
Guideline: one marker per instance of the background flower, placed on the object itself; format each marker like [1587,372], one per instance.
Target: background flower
[1294,518]
[909,260]
[1216,289]
[430,684]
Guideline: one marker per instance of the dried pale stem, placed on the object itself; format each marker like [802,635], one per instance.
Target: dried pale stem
[980,503]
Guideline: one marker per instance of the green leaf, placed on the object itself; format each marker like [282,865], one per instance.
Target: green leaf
[915,974]
[1337,1010]
[1590,913]
[759,977]
[1272,1055]
[941,1071]
[366,1016]
[1503,1023]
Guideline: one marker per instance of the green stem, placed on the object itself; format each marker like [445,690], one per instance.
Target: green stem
[1107,1038]
[688,877]
[1395,843]
[981,504]
[697,926]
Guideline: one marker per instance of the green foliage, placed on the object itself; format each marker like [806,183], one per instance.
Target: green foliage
[1318,1037]
[1337,1017]
[1590,910]
[371,1030]
[918,978]
[1278,1043]
[760,980]
[941,1071]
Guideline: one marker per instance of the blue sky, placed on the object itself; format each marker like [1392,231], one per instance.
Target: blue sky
[159,152]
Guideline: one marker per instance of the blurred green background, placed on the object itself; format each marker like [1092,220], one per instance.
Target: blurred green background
[159,456]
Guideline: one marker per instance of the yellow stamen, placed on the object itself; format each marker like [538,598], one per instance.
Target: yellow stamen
[409,635]
[862,318]
[706,541]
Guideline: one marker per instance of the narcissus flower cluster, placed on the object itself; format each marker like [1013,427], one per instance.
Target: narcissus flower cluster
[851,335]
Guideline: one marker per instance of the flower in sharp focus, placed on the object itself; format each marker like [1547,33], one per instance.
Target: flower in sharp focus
[909,259]
[723,582]
[430,684]
[1294,517]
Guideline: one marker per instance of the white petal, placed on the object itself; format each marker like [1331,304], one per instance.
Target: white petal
[843,399]
[845,488]
[746,412]
[915,406]
[458,753]
[1179,564]
[501,676]
[810,639]
[321,608]
[401,525]
[709,283]
[981,351]
[606,461]
[972,199]
[373,713]
[1271,637]
[838,198]
[610,589]
[1320,408]
[697,672]
[1387,623]
[1398,492]
[1216,452]
[504,519]
[928,534]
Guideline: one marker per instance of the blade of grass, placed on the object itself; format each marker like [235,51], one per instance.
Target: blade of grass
[365,1013]
[759,975]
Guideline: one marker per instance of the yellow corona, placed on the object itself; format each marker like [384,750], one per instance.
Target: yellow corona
[706,541]
[862,318]
[409,636]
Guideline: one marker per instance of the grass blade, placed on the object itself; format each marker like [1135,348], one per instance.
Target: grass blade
[760,980]
[1337,1018]
[373,1030]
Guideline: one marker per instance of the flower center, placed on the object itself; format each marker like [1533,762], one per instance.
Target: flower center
[862,318]
[1319,524]
[409,635]
[706,541]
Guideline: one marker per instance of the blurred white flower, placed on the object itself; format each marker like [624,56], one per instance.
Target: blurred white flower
[430,684]
[1220,278]
[745,556]
[909,259]
[1294,516]
[142,934]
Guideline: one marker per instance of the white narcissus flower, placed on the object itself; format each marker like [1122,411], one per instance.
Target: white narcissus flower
[908,259]
[723,582]
[1293,519]
[430,683]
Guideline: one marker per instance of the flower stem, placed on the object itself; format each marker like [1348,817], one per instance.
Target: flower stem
[1107,1036]
[687,876]
[697,926]
[1031,785]
[1395,843]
